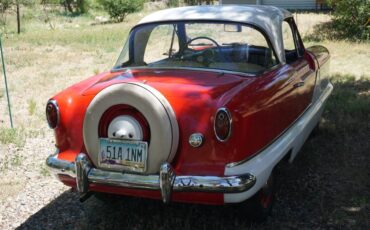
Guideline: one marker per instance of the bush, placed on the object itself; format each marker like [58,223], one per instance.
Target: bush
[172,3]
[5,4]
[351,18]
[119,9]
[199,2]
[72,6]
[14,136]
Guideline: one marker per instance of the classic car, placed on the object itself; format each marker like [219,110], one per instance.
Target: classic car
[201,106]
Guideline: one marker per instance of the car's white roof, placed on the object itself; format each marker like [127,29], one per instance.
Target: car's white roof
[268,18]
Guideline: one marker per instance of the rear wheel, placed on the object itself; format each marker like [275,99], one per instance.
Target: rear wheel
[260,205]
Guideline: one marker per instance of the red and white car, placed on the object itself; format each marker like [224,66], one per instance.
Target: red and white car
[200,107]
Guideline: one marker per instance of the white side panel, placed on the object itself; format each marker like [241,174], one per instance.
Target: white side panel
[262,164]
[239,2]
[286,4]
[291,4]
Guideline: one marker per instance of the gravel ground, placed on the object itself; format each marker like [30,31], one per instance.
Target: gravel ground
[26,184]
[304,200]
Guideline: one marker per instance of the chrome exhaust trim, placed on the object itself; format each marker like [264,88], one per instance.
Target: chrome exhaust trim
[166,181]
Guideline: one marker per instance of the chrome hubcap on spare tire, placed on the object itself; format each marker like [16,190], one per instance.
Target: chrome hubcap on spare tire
[140,113]
[126,128]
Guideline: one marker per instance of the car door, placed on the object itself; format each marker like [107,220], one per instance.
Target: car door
[303,76]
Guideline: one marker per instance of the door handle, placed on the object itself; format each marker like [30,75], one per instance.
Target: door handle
[299,84]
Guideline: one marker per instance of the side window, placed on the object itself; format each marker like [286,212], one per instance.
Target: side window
[291,40]
[288,38]
[242,48]
[259,51]
[163,43]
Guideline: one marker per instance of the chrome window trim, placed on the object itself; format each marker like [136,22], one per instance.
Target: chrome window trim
[224,109]
[219,71]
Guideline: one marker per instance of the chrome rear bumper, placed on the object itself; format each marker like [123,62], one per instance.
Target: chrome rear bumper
[166,181]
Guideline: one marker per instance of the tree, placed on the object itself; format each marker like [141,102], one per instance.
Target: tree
[18,17]
[75,6]
[6,5]
[172,3]
[198,2]
[119,9]
[351,17]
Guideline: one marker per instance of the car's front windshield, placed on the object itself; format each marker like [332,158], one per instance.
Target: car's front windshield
[204,45]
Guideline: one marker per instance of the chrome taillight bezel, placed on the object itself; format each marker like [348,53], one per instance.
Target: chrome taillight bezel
[228,114]
[55,105]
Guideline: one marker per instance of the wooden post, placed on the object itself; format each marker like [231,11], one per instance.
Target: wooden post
[18,19]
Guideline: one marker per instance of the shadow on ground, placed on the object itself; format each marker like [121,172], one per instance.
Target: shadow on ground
[323,31]
[328,185]
[334,31]
[66,212]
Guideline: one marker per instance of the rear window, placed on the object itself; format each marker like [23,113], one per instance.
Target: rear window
[201,45]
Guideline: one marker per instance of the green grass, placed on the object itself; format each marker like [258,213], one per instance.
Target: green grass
[351,99]
[44,170]
[98,37]
[74,31]
[12,136]
[31,107]
[16,160]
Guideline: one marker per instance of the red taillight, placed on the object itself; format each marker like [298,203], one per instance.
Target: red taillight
[52,114]
[222,124]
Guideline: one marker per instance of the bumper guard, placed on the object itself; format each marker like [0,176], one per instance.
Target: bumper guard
[166,181]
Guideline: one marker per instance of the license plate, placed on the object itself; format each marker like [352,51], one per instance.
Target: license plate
[123,155]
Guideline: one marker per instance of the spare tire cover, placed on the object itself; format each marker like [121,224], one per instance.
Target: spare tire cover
[152,105]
